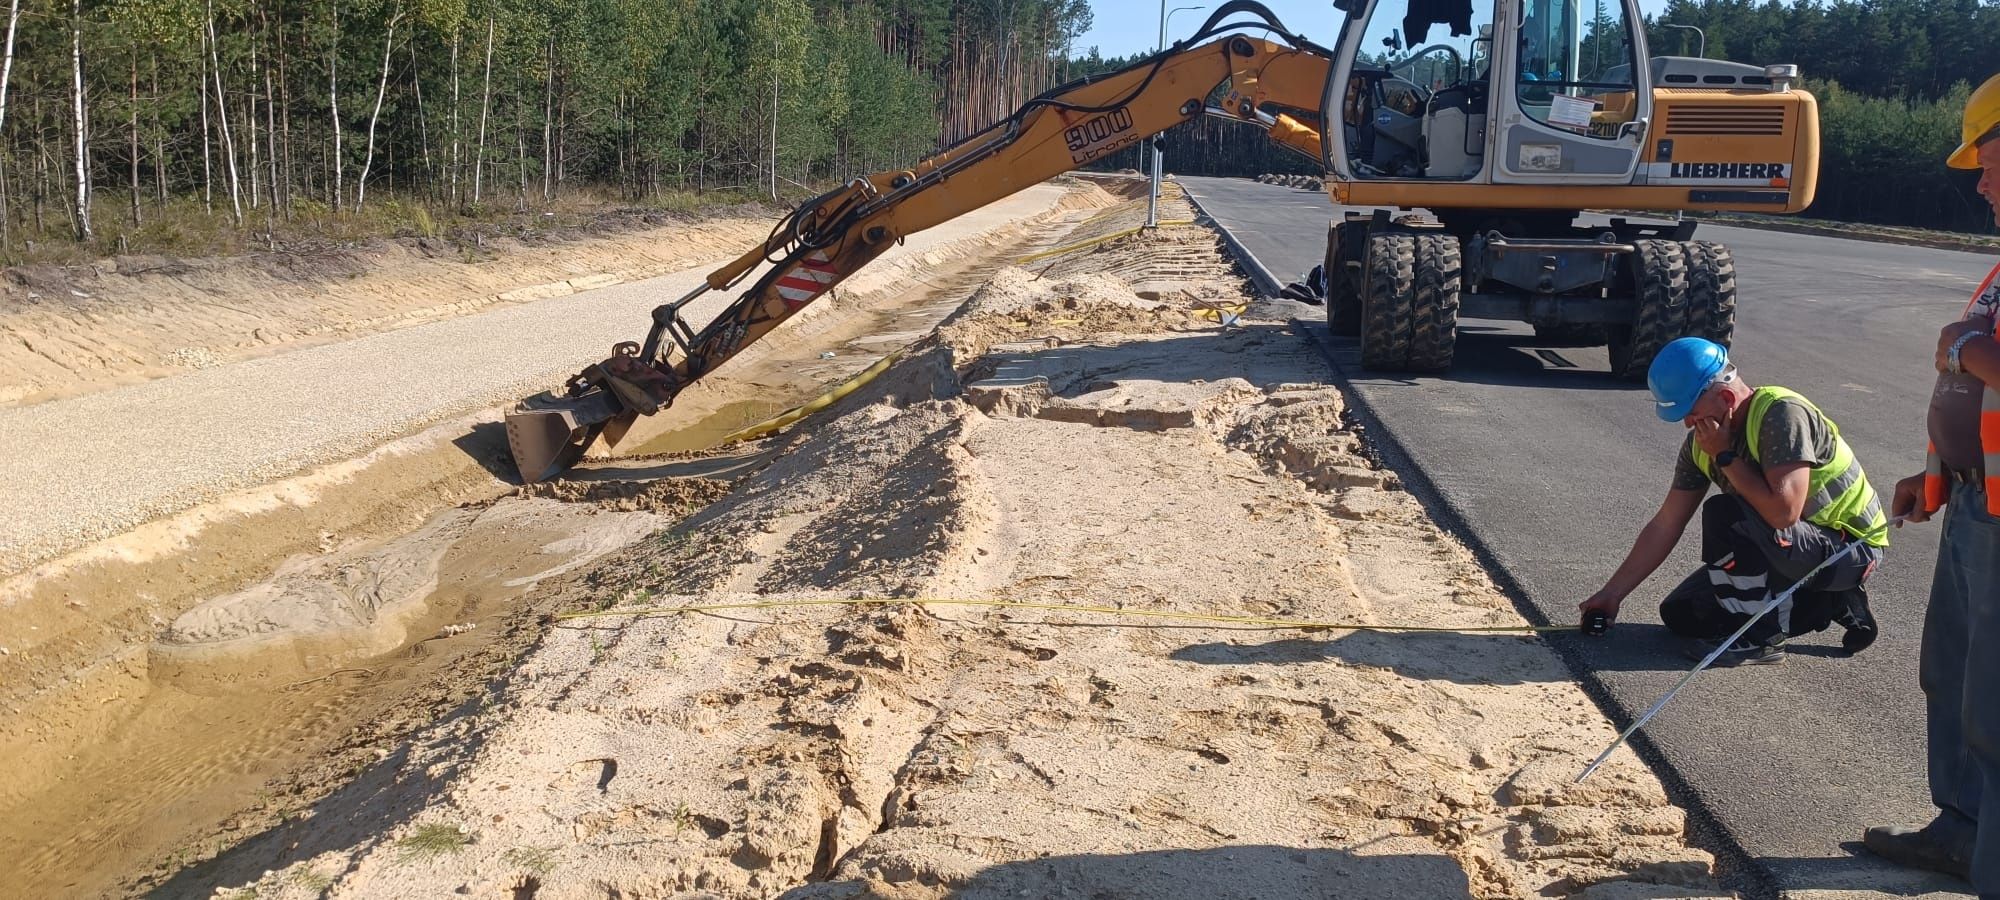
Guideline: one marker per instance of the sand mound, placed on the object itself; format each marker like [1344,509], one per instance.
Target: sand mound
[831,751]
[1017,304]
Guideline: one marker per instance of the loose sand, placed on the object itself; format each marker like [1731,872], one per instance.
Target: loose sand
[151,676]
[1063,440]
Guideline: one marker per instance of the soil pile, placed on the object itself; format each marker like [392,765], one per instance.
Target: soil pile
[1061,442]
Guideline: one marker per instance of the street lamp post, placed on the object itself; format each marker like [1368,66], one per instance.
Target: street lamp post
[1153,199]
[1701,37]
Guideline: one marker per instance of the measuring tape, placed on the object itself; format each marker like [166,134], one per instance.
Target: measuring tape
[1301,624]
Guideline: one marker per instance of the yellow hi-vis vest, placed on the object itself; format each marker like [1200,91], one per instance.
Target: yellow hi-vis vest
[1840,497]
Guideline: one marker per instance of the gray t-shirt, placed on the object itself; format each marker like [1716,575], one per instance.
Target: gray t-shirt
[1792,432]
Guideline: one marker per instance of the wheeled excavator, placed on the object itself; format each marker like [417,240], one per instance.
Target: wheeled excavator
[1465,164]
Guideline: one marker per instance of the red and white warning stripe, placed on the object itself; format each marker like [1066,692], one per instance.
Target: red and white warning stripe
[809,279]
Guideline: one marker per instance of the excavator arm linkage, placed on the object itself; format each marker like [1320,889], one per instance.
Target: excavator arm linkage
[832,236]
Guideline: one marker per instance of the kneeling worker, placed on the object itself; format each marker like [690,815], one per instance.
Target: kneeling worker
[1792,495]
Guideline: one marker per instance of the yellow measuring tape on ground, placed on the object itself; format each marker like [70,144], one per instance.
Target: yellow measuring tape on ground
[1301,624]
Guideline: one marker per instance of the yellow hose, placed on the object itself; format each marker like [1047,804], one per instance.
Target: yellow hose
[816,404]
[1301,624]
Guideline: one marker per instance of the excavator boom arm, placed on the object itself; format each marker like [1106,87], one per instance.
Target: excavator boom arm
[834,235]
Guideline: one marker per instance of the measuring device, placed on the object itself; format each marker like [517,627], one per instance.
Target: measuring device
[1728,642]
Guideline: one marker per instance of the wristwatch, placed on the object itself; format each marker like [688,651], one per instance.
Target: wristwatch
[1951,359]
[1725,459]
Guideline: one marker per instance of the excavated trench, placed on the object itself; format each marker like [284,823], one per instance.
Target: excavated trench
[160,754]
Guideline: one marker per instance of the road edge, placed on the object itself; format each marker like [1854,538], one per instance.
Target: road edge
[1739,870]
[1267,285]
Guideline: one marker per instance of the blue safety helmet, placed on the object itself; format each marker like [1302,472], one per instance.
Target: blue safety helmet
[1681,372]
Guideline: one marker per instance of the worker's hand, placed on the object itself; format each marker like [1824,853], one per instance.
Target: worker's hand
[1908,502]
[1712,436]
[1950,334]
[1601,602]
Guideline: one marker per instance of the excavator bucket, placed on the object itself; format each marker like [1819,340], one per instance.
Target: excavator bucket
[549,432]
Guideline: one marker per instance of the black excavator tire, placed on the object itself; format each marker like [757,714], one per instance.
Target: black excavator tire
[1660,288]
[1344,243]
[1434,334]
[1388,291]
[1711,272]
[1410,300]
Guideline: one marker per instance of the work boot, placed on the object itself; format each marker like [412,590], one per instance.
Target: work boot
[1742,653]
[1857,619]
[1919,848]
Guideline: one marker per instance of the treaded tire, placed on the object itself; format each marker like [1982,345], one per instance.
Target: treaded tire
[1434,333]
[1660,289]
[1410,301]
[1388,293]
[1711,272]
[1345,243]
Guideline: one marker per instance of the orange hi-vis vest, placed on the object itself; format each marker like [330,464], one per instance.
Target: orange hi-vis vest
[1985,302]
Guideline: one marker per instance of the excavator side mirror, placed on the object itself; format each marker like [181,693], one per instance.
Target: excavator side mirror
[1394,41]
[1346,6]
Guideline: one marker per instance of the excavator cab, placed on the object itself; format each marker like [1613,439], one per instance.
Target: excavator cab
[1425,77]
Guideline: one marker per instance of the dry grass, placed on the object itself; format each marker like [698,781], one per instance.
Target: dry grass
[536,860]
[433,840]
[312,880]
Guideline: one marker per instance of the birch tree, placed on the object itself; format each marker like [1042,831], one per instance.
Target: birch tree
[222,118]
[485,104]
[381,90]
[6,78]
[81,136]
[333,104]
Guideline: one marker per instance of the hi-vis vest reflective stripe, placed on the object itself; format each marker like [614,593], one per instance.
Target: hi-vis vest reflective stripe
[1935,488]
[1840,497]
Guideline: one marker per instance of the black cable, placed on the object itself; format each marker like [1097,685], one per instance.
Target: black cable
[1214,27]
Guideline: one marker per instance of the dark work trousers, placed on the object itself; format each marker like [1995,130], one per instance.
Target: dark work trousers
[1959,669]
[1746,561]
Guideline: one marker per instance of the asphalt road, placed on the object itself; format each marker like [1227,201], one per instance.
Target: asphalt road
[1550,466]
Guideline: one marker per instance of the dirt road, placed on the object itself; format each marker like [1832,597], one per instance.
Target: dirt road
[1076,438]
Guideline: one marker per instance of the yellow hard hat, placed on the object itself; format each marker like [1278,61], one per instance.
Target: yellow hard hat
[1982,121]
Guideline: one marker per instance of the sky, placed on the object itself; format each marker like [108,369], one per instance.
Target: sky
[1123,27]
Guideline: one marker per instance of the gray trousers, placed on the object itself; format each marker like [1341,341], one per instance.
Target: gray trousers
[1745,561]
[1960,673]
